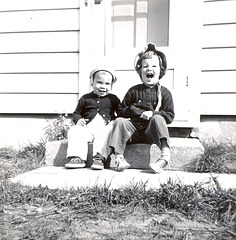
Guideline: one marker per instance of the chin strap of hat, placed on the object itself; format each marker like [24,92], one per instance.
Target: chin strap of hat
[159,97]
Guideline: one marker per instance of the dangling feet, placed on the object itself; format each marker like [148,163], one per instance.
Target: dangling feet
[98,160]
[119,163]
[159,165]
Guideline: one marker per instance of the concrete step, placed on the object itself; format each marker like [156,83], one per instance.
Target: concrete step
[62,178]
[184,154]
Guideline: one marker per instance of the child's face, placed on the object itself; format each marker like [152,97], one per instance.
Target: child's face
[102,83]
[150,71]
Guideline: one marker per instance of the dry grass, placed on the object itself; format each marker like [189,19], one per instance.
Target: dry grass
[219,158]
[174,211]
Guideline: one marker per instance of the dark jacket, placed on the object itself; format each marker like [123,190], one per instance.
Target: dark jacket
[90,104]
[141,98]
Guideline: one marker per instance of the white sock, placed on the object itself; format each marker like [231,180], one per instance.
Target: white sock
[165,153]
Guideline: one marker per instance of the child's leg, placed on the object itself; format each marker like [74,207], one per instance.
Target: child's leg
[158,133]
[122,130]
[121,133]
[78,138]
[101,149]
[165,150]
[100,132]
[100,144]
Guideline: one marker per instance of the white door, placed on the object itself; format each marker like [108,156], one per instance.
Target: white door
[115,31]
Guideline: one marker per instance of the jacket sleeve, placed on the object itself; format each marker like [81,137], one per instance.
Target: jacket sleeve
[77,114]
[167,107]
[128,108]
[116,106]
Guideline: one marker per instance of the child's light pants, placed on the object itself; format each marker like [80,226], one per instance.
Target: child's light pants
[96,131]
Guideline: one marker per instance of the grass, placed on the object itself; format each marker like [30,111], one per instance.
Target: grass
[13,162]
[173,211]
[219,158]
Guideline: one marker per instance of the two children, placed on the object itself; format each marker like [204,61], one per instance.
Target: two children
[143,115]
[93,121]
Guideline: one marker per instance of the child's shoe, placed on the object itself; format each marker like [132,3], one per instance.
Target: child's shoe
[158,165]
[98,162]
[75,162]
[119,163]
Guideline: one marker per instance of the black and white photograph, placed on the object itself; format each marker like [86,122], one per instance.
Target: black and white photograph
[117,119]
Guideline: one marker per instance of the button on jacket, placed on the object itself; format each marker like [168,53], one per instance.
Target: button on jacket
[90,104]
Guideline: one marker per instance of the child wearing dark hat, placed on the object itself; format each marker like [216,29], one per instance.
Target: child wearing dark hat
[145,111]
[93,119]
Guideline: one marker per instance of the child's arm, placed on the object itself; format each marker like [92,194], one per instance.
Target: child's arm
[77,114]
[129,106]
[146,115]
[167,107]
[115,105]
[82,122]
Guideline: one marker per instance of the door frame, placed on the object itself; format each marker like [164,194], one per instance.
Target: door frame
[183,53]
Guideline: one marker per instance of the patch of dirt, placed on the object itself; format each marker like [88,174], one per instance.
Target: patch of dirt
[38,222]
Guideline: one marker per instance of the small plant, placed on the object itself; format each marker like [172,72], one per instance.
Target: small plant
[58,129]
[13,162]
[32,151]
[215,157]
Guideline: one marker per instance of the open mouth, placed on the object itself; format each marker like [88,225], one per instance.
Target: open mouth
[150,75]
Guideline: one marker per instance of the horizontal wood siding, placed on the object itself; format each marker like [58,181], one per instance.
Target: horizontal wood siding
[43,103]
[17,5]
[39,62]
[59,41]
[218,81]
[40,20]
[39,56]
[42,83]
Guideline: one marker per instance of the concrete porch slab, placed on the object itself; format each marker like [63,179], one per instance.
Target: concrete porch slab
[62,178]
[184,154]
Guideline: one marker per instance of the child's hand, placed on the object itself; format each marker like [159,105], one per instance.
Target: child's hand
[82,122]
[146,115]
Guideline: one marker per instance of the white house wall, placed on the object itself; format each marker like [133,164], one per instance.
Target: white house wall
[218,80]
[39,59]
[39,56]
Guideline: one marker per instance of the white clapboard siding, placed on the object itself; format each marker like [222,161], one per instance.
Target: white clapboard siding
[219,35]
[11,5]
[219,12]
[39,56]
[39,42]
[222,81]
[38,103]
[218,104]
[218,79]
[39,83]
[41,20]
[219,59]
[40,62]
